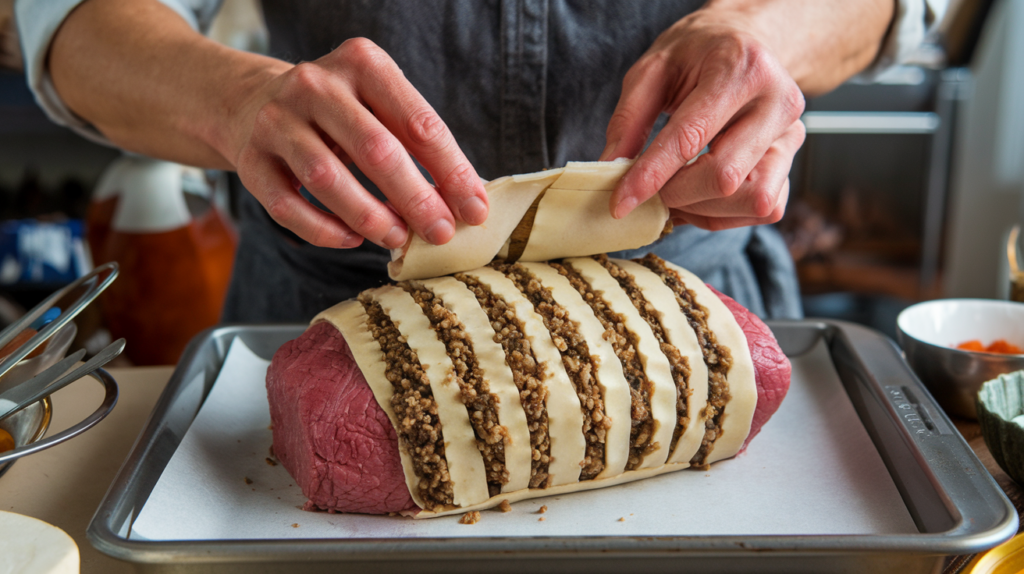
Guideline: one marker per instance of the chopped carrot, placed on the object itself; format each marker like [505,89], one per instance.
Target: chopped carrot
[1000,346]
[972,345]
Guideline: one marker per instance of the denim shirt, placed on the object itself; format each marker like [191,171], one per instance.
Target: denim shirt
[523,85]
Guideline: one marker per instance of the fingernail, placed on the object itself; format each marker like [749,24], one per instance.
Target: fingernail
[351,241]
[440,232]
[395,238]
[624,206]
[609,150]
[473,211]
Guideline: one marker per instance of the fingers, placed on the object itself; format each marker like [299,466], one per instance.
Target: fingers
[635,112]
[400,108]
[273,187]
[406,114]
[326,178]
[701,115]
[761,198]
[383,158]
[355,106]
[738,173]
[720,223]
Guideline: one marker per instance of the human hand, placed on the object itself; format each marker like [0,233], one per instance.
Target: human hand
[353,105]
[724,89]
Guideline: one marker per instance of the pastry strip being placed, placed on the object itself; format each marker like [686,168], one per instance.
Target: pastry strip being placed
[572,219]
[574,216]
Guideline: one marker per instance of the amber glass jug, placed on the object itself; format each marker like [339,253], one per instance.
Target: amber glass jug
[175,247]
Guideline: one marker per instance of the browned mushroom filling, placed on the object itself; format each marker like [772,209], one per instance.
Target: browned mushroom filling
[680,366]
[475,391]
[578,364]
[419,428]
[624,344]
[717,357]
[527,373]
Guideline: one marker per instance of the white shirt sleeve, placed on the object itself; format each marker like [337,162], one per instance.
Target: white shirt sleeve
[913,22]
[38,21]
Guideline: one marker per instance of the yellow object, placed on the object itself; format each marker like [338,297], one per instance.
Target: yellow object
[6,441]
[1007,558]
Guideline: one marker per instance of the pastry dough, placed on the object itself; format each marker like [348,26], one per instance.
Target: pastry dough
[573,219]
[565,418]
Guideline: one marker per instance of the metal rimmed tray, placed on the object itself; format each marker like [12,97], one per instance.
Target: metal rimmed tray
[954,502]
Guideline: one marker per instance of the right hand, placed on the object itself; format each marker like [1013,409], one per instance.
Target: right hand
[354,105]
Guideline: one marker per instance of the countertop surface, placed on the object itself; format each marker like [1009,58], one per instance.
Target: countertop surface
[64,485]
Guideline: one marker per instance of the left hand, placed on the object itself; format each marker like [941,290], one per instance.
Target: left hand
[724,89]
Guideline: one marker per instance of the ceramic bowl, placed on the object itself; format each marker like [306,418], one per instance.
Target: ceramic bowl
[929,332]
[1001,417]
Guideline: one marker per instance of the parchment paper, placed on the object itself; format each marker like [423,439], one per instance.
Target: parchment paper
[812,470]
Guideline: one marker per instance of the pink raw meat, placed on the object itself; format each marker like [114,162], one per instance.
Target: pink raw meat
[329,431]
[771,366]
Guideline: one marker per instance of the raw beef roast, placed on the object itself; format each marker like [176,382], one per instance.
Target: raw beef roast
[331,433]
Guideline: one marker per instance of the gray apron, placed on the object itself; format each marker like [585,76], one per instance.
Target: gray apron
[523,85]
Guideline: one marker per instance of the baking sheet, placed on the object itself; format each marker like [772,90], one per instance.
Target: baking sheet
[812,470]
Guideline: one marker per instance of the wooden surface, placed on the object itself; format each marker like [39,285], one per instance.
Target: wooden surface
[971,432]
[64,485]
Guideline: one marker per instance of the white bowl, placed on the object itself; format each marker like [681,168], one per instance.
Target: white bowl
[929,332]
[949,322]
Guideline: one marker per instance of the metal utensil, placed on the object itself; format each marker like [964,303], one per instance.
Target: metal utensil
[47,382]
[109,400]
[70,299]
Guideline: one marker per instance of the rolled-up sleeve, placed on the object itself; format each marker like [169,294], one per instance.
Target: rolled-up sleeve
[912,23]
[39,20]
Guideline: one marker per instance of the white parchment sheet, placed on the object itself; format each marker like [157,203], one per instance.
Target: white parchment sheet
[812,470]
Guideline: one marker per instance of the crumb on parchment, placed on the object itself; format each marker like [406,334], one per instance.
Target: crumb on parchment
[622,519]
[270,461]
[471,517]
[541,519]
[247,479]
[505,506]
[295,525]
[542,509]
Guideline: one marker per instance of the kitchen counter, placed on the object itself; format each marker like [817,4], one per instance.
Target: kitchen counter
[64,485]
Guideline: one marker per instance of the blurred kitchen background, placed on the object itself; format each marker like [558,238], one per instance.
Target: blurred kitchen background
[904,191]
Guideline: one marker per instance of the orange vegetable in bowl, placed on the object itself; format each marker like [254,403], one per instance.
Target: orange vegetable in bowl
[1000,346]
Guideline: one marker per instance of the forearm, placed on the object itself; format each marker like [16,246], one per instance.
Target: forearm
[151,84]
[820,42]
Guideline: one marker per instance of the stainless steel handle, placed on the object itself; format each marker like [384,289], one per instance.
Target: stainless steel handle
[50,381]
[86,288]
[109,400]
